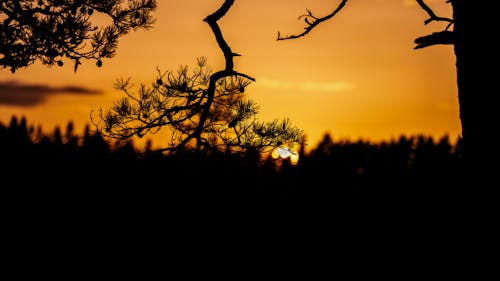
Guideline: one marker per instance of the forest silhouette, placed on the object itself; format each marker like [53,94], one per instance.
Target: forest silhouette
[70,172]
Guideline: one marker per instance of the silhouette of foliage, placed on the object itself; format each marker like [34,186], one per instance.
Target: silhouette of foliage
[178,100]
[51,30]
[205,111]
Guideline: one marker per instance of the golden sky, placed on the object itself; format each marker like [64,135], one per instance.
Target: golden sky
[355,76]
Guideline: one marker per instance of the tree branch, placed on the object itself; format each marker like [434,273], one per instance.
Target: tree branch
[228,71]
[219,119]
[212,22]
[312,22]
[444,37]
[432,15]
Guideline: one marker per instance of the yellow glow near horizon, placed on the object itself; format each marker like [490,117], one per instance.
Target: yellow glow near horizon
[289,152]
[355,76]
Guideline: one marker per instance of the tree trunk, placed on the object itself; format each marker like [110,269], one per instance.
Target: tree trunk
[475,82]
[476,62]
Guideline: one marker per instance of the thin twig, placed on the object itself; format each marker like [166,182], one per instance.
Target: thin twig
[432,15]
[312,22]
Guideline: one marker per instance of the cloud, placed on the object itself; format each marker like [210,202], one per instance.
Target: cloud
[336,86]
[26,95]
[339,86]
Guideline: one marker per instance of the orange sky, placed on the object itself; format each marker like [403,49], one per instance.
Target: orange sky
[356,76]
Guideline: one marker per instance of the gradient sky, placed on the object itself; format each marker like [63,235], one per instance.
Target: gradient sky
[355,76]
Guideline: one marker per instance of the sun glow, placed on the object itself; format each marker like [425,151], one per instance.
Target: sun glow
[286,152]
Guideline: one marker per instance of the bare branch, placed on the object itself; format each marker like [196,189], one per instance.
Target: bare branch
[432,15]
[444,37]
[212,22]
[312,21]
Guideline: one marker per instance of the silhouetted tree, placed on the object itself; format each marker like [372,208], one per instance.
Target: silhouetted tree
[49,30]
[18,135]
[94,145]
[461,31]
[70,138]
[205,110]
[58,139]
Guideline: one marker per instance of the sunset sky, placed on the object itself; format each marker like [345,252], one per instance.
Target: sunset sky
[355,76]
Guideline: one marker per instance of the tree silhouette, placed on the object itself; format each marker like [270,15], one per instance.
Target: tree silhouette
[205,110]
[461,32]
[49,30]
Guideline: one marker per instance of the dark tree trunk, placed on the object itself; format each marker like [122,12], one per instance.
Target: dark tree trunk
[464,86]
[476,64]
[476,87]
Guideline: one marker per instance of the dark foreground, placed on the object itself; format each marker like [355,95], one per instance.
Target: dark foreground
[64,190]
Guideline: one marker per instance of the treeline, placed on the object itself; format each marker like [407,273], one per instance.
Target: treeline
[63,164]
